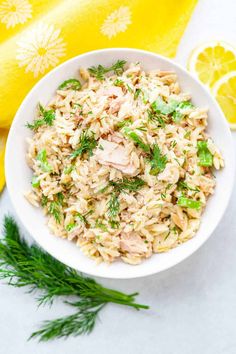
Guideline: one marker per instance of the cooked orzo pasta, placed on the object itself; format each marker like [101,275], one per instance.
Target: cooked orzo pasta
[122,164]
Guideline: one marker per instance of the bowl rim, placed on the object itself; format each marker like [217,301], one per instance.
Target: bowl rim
[102,274]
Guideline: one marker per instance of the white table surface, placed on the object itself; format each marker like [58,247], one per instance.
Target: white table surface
[193,305]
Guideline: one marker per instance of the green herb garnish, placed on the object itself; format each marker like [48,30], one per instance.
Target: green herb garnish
[99,71]
[204,154]
[70,84]
[119,186]
[48,117]
[113,206]
[189,203]
[160,106]
[129,88]
[142,128]
[179,113]
[114,224]
[127,184]
[183,185]
[28,265]
[67,170]
[54,210]
[137,93]
[158,161]
[42,158]
[35,182]
[54,207]
[177,109]
[70,227]
[44,200]
[83,217]
[118,82]
[100,225]
[87,143]
[156,118]
[123,123]
[187,134]
[136,139]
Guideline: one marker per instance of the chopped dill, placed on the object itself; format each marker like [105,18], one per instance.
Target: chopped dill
[87,143]
[99,71]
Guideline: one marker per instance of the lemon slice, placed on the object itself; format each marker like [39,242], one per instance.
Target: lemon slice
[3,139]
[224,91]
[211,60]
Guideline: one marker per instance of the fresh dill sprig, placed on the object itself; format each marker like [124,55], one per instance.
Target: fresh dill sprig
[81,322]
[54,210]
[47,118]
[136,139]
[99,224]
[28,265]
[158,160]
[113,205]
[156,118]
[87,143]
[99,71]
[123,123]
[54,207]
[183,185]
[137,93]
[83,217]
[127,184]
[119,186]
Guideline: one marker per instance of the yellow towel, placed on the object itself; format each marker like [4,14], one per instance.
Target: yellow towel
[37,35]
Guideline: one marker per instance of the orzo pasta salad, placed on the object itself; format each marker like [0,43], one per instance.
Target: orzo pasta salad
[122,164]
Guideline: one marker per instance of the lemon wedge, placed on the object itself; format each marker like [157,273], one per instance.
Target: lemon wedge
[224,91]
[212,60]
[3,139]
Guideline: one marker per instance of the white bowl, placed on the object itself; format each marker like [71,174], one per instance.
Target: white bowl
[18,174]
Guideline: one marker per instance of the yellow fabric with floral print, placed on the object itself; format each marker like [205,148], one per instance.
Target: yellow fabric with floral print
[37,35]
